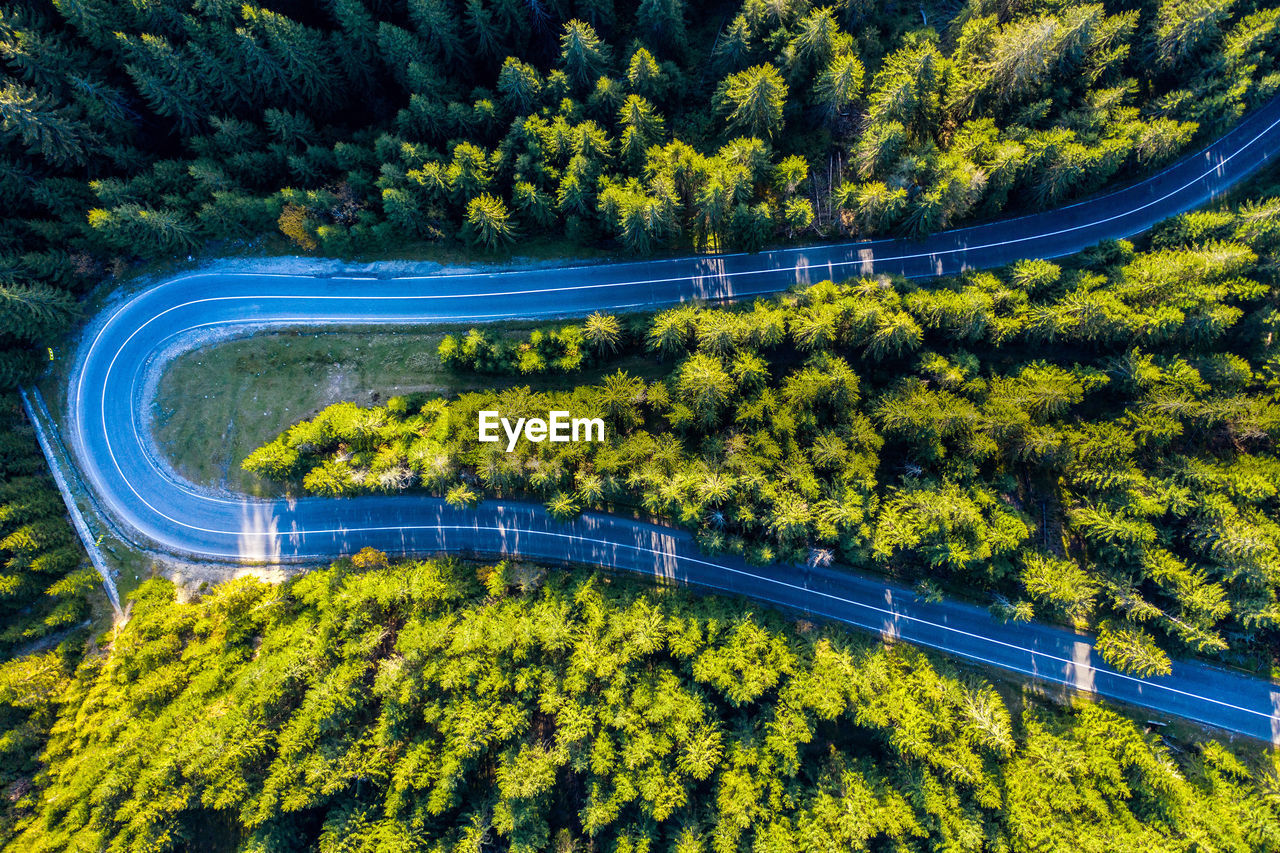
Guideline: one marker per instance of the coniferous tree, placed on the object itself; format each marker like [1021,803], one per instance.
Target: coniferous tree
[662,25]
[438,24]
[519,85]
[1186,26]
[31,120]
[35,312]
[489,221]
[839,84]
[753,100]
[583,56]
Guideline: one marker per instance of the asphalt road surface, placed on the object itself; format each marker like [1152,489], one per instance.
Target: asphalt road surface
[107,399]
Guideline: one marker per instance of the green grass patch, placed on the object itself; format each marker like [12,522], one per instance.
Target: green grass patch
[132,567]
[217,404]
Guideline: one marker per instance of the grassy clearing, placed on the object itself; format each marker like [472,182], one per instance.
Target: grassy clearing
[215,405]
[132,566]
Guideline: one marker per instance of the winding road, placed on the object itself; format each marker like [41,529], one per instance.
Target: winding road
[108,397]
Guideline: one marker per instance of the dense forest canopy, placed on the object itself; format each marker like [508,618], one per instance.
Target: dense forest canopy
[433,707]
[155,129]
[1123,478]
[45,594]
[43,582]
[1093,441]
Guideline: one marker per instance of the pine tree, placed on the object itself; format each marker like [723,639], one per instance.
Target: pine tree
[705,386]
[359,53]
[131,228]
[535,206]
[603,332]
[1185,26]
[293,129]
[641,127]
[815,42]
[644,76]
[906,90]
[437,24]
[489,221]
[661,25]
[597,13]
[870,208]
[35,312]
[31,119]
[583,56]
[275,461]
[839,84]
[1131,649]
[484,31]
[519,85]
[754,99]
[297,61]
[790,174]
[797,215]
[470,172]
[734,46]
[400,49]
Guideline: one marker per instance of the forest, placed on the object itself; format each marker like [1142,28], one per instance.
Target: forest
[43,584]
[136,131]
[46,589]
[439,706]
[1121,479]
[1091,442]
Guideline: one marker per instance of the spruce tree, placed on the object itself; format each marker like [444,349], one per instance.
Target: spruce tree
[583,56]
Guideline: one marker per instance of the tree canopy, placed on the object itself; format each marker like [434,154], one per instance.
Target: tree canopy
[442,706]
[47,591]
[1092,441]
[140,131]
